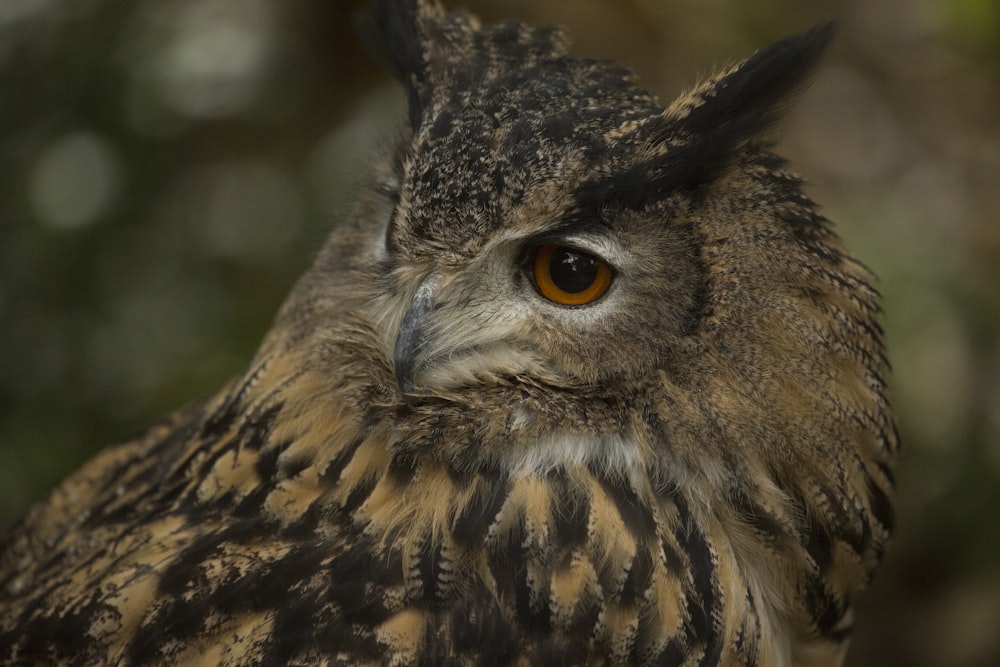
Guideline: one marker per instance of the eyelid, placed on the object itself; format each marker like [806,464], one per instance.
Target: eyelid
[391,194]
[600,246]
[389,189]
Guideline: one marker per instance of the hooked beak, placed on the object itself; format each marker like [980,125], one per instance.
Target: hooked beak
[411,341]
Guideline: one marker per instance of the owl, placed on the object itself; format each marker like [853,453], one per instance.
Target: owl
[581,379]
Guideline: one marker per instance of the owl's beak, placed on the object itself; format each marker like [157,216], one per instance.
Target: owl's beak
[412,341]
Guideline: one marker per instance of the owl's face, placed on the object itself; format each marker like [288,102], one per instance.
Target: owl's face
[538,281]
[541,231]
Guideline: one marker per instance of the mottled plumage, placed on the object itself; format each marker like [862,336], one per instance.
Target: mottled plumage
[430,461]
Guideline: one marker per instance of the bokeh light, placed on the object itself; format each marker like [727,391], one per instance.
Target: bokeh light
[74,181]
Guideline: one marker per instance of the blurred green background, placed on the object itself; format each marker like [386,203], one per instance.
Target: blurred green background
[168,168]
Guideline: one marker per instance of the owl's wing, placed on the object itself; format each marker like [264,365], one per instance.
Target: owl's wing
[94,493]
[203,539]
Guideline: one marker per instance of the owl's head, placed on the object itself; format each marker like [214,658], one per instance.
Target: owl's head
[548,247]
[550,221]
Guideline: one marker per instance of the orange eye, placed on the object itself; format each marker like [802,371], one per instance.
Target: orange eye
[569,277]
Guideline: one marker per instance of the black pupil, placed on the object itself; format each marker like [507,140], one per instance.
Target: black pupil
[571,271]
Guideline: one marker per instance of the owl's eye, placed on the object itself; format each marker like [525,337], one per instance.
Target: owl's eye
[568,276]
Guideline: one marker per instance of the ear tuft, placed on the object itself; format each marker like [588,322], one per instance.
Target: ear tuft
[746,100]
[396,35]
[706,127]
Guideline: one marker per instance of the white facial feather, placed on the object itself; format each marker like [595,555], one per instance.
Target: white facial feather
[615,455]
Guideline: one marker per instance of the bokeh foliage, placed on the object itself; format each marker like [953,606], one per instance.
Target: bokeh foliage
[167,169]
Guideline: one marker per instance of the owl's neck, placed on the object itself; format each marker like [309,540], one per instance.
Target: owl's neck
[576,550]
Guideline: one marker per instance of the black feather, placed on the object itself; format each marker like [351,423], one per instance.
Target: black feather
[752,98]
[394,33]
[742,107]
[733,111]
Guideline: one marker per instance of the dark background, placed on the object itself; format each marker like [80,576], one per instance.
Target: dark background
[168,168]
